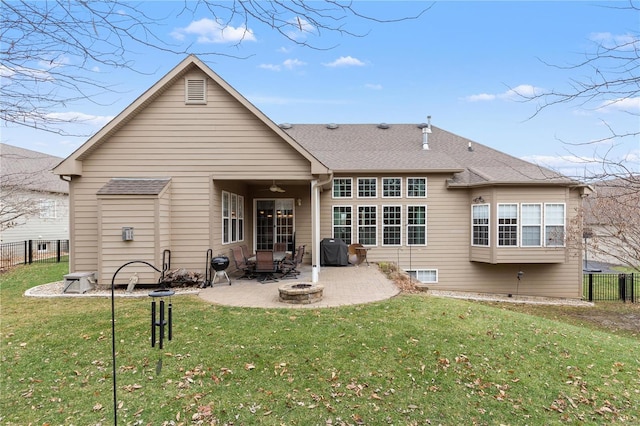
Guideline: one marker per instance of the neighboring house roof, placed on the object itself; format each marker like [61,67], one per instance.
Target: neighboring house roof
[132,186]
[30,170]
[389,148]
[620,194]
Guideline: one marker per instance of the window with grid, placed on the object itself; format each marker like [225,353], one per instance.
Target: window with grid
[507,225]
[367,225]
[367,187]
[531,222]
[417,225]
[47,209]
[342,223]
[391,187]
[416,187]
[480,225]
[424,275]
[554,221]
[391,225]
[342,188]
[232,217]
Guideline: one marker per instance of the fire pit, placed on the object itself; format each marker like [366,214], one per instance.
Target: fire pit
[301,293]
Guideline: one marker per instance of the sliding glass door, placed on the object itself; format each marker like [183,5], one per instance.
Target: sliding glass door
[274,223]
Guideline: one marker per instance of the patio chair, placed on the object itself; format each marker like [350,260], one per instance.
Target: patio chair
[289,266]
[242,264]
[265,266]
[246,253]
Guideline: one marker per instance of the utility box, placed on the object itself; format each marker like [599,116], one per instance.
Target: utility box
[79,282]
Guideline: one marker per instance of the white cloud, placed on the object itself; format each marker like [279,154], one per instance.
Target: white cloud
[211,31]
[270,67]
[518,92]
[288,64]
[373,86]
[615,41]
[301,27]
[480,97]
[80,118]
[345,61]
[621,104]
[293,63]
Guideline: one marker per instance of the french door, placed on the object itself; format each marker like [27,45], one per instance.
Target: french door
[274,223]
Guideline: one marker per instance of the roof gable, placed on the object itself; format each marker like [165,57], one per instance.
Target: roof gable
[72,165]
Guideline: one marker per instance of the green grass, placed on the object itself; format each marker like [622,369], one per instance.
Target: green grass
[411,360]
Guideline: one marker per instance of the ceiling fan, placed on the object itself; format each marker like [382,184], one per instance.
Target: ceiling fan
[275,188]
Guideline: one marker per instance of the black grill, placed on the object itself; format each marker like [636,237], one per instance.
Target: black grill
[220,263]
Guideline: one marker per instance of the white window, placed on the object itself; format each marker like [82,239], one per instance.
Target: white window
[342,187]
[480,225]
[195,91]
[554,222]
[531,221]
[47,209]
[424,275]
[416,187]
[507,225]
[391,225]
[367,225]
[342,221]
[417,225]
[232,217]
[391,187]
[367,187]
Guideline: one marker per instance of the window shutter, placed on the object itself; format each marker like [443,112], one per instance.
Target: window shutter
[196,91]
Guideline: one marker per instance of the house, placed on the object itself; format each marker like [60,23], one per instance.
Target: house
[191,165]
[34,202]
[612,222]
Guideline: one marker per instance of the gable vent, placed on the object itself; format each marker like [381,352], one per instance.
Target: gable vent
[195,91]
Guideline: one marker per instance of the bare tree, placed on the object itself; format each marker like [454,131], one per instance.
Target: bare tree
[50,49]
[611,80]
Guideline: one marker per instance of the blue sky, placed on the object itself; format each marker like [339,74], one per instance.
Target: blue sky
[460,63]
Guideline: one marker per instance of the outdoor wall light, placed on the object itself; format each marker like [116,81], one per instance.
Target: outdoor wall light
[299,202]
[478,199]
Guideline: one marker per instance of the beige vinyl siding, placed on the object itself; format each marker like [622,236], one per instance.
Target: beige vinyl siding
[449,250]
[116,213]
[193,145]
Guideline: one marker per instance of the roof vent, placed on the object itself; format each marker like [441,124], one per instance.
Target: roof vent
[425,134]
[285,126]
[195,91]
[332,126]
[383,126]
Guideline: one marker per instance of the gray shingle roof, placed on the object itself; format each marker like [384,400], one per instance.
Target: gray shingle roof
[367,148]
[30,170]
[133,186]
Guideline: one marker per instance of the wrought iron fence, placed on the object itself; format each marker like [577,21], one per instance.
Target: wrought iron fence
[610,287]
[32,251]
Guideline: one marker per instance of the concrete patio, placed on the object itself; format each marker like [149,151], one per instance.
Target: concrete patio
[343,285]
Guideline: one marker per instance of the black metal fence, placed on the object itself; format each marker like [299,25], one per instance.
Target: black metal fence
[611,287]
[32,251]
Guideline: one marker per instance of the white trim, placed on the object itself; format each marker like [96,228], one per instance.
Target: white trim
[358,226]
[375,179]
[382,187]
[382,226]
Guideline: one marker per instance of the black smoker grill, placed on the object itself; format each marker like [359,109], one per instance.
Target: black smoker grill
[219,264]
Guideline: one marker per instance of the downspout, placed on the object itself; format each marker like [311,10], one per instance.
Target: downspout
[315,225]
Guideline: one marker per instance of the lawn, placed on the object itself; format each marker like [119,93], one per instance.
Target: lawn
[412,360]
